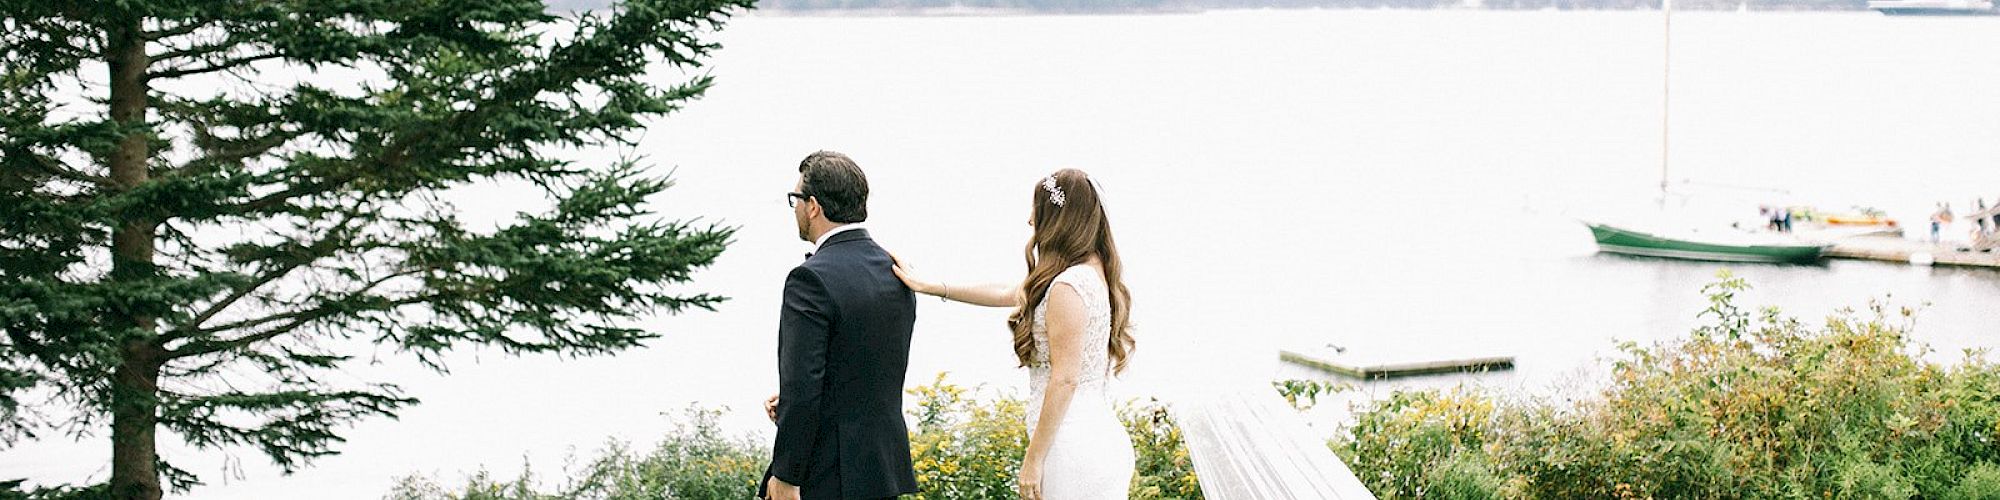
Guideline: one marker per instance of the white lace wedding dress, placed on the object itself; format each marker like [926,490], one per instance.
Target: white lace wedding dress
[1091,457]
[1245,442]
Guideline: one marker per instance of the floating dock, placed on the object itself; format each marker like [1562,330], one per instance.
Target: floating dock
[1904,251]
[1371,371]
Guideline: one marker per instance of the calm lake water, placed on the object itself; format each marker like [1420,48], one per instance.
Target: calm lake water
[1399,183]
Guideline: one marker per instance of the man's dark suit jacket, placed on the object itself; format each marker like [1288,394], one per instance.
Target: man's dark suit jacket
[843,348]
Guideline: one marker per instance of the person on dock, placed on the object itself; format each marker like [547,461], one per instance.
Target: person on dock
[1995,228]
[1979,211]
[1938,219]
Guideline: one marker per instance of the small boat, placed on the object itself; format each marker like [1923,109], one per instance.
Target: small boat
[1859,220]
[1833,233]
[1720,246]
[1740,248]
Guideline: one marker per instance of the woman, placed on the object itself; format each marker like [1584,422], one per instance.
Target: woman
[1071,331]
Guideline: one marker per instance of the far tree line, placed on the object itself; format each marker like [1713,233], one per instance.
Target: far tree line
[1117,6]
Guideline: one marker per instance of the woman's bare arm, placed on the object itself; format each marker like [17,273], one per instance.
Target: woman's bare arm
[1066,319]
[984,294]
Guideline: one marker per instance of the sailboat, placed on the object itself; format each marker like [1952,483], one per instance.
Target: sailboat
[1743,248]
[1694,244]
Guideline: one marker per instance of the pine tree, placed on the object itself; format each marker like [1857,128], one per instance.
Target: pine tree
[179,253]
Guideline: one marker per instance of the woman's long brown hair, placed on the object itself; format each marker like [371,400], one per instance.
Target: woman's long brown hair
[1067,235]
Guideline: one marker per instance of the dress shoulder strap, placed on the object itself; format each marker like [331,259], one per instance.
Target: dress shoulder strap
[1084,279]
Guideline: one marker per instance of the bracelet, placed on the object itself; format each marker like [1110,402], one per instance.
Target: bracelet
[944,295]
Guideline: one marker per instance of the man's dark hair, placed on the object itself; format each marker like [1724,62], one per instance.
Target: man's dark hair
[838,183]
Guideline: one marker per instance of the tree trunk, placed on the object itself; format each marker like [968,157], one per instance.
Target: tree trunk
[135,472]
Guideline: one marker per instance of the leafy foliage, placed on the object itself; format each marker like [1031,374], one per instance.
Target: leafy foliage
[1163,468]
[696,460]
[1751,405]
[967,444]
[963,447]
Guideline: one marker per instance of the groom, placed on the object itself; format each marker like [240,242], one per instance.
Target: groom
[843,347]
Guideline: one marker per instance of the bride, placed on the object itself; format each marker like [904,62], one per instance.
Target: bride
[1071,332]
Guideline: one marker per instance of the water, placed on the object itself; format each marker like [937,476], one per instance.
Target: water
[1395,182]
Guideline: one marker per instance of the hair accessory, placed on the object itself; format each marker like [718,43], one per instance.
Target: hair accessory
[1055,192]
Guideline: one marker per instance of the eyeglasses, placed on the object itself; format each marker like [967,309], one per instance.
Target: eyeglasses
[793,199]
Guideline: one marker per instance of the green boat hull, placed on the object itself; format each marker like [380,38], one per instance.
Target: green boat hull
[1625,241]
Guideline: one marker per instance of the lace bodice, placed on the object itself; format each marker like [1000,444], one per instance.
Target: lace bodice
[1091,458]
[1096,355]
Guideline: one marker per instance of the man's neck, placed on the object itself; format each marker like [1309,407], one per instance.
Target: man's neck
[820,240]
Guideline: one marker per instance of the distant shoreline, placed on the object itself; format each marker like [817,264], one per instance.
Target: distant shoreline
[991,8]
[965,12]
[1009,12]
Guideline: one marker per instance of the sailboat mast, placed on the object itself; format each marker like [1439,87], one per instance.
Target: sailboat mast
[1666,84]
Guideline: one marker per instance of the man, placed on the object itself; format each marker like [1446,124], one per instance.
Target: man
[843,350]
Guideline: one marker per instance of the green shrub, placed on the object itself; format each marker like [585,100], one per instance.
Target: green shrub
[1464,476]
[1163,469]
[1303,394]
[963,447]
[967,447]
[1873,480]
[1394,446]
[695,461]
[1981,482]
[1750,405]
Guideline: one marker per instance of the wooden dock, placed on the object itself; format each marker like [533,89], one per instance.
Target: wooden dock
[1904,251]
[1372,371]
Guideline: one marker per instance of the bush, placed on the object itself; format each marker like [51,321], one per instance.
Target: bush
[695,461]
[1982,482]
[971,448]
[963,447]
[1163,469]
[1464,476]
[1748,406]
[1395,446]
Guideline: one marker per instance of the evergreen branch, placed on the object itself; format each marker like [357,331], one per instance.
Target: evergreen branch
[325,308]
[228,43]
[51,166]
[201,349]
[37,35]
[256,131]
[323,247]
[395,156]
[27,344]
[221,152]
[302,189]
[299,319]
[225,64]
[194,323]
[301,422]
[183,29]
